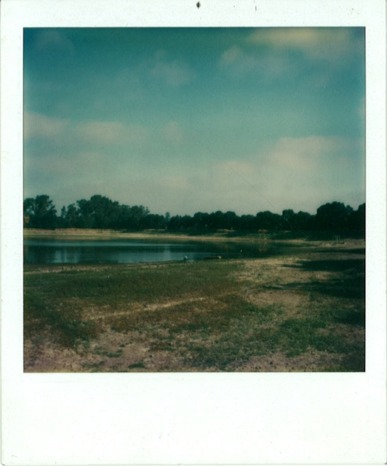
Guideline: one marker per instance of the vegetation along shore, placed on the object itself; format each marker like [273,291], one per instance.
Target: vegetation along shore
[100,212]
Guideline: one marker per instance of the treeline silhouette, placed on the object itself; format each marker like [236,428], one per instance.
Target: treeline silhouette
[101,212]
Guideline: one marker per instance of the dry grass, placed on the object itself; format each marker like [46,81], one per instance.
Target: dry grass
[303,312]
[90,234]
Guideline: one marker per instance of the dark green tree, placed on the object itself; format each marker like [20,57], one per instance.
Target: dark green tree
[136,215]
[268,221]
[358,220]
[85,214]
[302,221]
[70,217]
[288,219]
[153,221]
[39,212]
[333,217]
[246,222]
[200,221]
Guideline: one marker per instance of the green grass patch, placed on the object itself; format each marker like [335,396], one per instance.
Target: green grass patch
[65,325]
[148,284]
[56,300]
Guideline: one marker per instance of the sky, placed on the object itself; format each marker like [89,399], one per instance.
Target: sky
[183,120]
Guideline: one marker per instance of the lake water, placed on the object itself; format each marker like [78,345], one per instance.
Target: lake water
[44,251]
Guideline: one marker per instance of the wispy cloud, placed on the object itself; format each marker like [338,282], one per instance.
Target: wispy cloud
[313,168]
[267,52]
[302,153]
[239,62]
[173,183]
[173,133]
[236,55]
[110,132]
[173,72]
[87,132]
[314,43]
[297,173]
[300,172]
[52,39]
[38,125]
[242,59]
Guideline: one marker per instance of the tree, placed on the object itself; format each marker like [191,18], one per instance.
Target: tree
[176,223]
[302,221]
[200,221]
[84,213]
[153,221]
[97,212]
[288,219]
[268,221]
[104,212]
[230,219]
[136,214]
[39,212]
[70,216]
[246,222]
[333,217]
[299,221]
[358,220]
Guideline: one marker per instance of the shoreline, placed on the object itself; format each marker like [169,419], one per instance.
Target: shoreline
[102,234]
[88,233]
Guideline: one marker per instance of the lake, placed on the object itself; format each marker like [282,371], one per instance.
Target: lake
[50,251]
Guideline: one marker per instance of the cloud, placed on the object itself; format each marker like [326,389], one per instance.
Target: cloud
[314,43]
[232,173]
[277,52]
[232,55]
[110,132]
[243,60]
[238,59]
[52,39]
[313,162]
[307,170]
[308,150]
[172,72]
[38,125]
[298,173]
[174,183]
[87,132]
[173,133]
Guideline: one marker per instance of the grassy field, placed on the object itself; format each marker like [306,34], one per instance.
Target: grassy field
[296,312]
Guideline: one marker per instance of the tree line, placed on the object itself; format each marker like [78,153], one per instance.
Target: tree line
[101,212]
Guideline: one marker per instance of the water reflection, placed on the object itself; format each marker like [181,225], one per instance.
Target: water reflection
[41,251]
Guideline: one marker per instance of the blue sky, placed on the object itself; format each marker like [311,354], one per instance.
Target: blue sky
[196,119]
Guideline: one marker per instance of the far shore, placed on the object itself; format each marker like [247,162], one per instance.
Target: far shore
[162,235]
[89,233]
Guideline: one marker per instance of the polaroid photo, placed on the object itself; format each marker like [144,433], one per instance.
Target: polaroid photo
[193,232]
